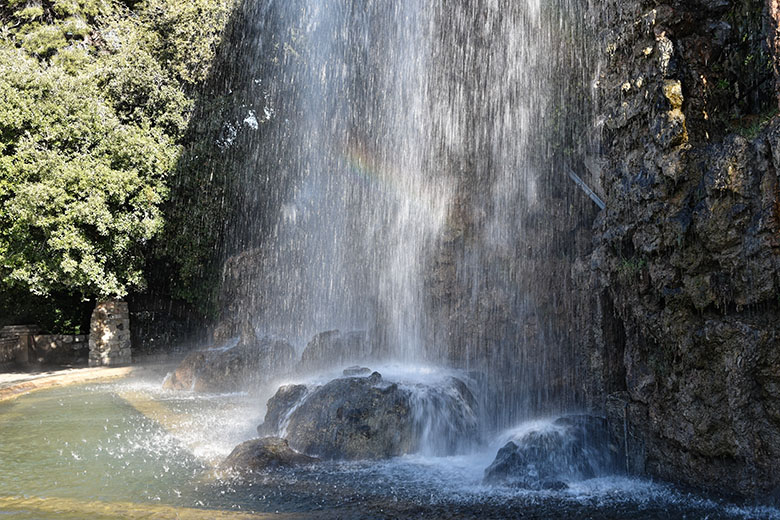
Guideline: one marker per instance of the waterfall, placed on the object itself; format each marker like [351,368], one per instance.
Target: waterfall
[362,204]
[402,181]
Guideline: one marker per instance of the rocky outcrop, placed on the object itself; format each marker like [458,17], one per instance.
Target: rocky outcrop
[550,455]
[353,418]
[279,407]
[369,418]
[264,454]
[234,366]
[683,284]
[335,348]
[356,371]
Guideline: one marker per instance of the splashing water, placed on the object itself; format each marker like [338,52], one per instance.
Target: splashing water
[129,466]
[403,183]
[360,206]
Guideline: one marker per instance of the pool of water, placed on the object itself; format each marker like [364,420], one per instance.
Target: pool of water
[130,450]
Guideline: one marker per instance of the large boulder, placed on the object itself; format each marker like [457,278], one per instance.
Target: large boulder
[370,418]
[264,454]
[335,348]
[550,455]
[233,366]
[279,407]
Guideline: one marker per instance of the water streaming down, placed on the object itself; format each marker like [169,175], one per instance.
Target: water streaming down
[361,208]
[507,86]
[404,182]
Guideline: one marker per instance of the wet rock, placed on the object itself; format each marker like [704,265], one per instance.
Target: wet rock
[686,255]
[264,454]
[370,418]
[225,330]
[183,378]
[669,130]
[233,366]
[333,348]
[354,419]
[279,407]
[568,449]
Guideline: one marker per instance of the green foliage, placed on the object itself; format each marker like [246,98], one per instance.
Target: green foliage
[189,34]
[57,313]
[95,100]
[629,268]
[750,128]
[80,190]
[723,85]
[141,91]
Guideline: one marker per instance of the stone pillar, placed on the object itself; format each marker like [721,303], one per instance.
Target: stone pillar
[773,40]
[109,335]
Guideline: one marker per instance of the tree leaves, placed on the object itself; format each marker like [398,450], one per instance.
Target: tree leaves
[95,99]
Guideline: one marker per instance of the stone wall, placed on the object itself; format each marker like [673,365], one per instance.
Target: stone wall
[8,348]
[17,340]
[109,338]
[21,345]
[681,292]
[59,349]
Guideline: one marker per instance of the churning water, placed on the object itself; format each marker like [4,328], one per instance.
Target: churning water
[130,450]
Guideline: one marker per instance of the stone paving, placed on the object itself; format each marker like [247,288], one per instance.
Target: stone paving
[14,384]
[20,382]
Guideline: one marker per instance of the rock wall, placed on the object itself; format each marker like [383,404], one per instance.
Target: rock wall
[23,345]
[59,349]
[16,344]
[681,296]
[8,347]
[773,38]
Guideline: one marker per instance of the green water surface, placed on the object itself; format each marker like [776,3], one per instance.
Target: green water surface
[85,452]
[89,445]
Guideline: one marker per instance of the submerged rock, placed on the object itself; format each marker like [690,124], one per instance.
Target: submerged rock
[369,418]
[262,454]
[547,457]
[356,371]
[233,366]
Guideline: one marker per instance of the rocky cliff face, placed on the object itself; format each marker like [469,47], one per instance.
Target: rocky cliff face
[683,286]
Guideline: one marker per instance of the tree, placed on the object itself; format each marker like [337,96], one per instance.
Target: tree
[95,98]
